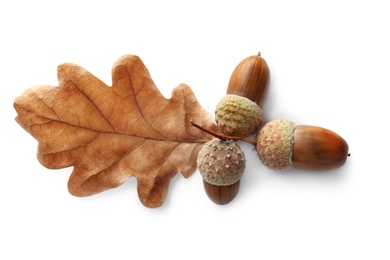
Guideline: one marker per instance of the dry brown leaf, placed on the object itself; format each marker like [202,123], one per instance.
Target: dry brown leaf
[110,134]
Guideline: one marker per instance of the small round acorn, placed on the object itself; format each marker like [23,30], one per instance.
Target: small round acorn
[282,145]
[239,112]
[221,164]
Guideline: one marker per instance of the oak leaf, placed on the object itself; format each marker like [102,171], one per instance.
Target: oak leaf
[110,134]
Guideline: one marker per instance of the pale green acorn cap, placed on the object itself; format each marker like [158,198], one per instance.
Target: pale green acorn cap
[237,115]
[275,144]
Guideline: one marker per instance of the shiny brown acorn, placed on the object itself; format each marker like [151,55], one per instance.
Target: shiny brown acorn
[239,112]
[221,164]
[250,79]
[282,145]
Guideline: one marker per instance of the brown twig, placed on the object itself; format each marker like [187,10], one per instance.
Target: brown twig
[223,137]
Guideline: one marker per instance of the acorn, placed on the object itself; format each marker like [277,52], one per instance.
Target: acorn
[239,112]
[282,145]
[221,164]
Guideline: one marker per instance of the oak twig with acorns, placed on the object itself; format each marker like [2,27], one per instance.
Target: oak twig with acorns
[238,114]
[280,144]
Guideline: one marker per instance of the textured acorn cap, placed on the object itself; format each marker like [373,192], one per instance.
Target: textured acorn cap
[238,116]
[275,144]
[221,162]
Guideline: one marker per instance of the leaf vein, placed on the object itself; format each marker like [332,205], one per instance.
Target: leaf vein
[140,109]
[95,106]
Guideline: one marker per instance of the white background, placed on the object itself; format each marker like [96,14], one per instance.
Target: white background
[330,67]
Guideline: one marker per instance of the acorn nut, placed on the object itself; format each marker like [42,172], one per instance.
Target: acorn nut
[239,112]
[281,145]
[221,164]
[250,79]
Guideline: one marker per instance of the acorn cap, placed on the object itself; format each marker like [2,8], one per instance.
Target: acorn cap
[275,144]
[237,115]
[221,162]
